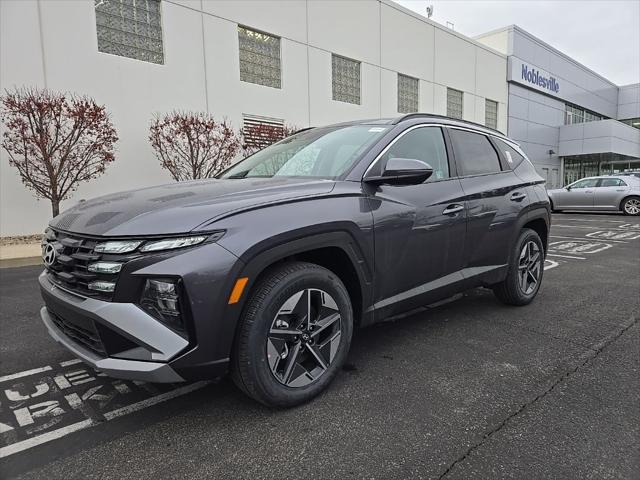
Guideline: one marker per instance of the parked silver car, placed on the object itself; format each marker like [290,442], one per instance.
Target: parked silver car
[603,193]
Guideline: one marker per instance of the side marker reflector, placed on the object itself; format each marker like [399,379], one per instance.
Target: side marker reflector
[238,288]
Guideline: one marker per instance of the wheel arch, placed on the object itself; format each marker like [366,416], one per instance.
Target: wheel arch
[627,197]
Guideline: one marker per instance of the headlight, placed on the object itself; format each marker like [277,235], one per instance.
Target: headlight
[120,246]
[161,300]
[171,243]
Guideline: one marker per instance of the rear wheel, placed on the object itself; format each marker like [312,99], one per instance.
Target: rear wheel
[631,206]
[294,335]
[525,271]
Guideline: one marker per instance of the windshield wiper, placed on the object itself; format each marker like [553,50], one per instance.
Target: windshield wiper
[239,174]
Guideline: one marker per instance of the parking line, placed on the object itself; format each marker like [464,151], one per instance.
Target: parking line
[585,238]
[565,256]
[61,432]
[70,362]
[25,373]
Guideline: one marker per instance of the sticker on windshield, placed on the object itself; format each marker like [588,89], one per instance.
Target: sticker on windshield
[508,154]
[377,129]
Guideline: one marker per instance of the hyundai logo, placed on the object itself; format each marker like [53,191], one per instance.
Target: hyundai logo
[49,254]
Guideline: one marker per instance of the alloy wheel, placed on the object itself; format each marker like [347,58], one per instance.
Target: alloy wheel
[529,267]
[632,206]
[304,337]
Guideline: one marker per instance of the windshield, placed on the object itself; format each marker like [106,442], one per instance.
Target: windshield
[321,152]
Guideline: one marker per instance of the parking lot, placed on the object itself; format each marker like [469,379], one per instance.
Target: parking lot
[466,389]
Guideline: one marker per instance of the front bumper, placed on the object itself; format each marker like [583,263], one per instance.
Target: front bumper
[153,344]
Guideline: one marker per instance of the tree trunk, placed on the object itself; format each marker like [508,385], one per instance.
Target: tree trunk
[55,207]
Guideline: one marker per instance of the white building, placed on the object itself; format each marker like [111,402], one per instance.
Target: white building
[303,62]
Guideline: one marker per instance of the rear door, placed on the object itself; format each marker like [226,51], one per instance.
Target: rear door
[494,199]
[609,193]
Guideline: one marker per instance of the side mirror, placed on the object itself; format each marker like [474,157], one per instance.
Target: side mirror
[403,171]
[568,188]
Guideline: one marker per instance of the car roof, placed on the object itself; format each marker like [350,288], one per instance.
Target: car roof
[427,118]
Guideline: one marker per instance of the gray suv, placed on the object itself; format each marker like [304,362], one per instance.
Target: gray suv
[266,271]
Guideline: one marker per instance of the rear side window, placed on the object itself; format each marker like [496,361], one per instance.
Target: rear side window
[612,182]
[586,183]
[511,154]
[474,153]
[424,143]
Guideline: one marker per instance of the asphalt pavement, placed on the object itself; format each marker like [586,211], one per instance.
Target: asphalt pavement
[467,389]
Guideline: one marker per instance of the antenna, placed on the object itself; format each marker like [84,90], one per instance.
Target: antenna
[429,11]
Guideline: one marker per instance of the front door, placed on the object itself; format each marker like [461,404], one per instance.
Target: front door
[578,195]
[419,229]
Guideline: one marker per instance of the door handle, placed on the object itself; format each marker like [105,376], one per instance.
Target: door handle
[451,209]
[516,197]
[588,191]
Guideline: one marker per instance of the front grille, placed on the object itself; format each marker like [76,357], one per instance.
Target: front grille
[86,336]
[74,254]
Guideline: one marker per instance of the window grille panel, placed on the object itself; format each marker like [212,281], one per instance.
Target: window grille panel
[408,94]
[345,79]
[259,58]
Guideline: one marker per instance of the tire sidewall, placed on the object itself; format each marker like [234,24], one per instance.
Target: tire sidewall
[313,277]
[526,236]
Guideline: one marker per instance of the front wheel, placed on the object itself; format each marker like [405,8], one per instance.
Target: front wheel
[294,335]
[525,271]
[631,206]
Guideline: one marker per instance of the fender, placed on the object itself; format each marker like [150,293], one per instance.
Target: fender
[268,252]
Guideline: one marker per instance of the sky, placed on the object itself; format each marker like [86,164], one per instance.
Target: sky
[603,35]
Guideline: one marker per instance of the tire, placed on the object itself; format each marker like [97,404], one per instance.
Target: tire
[265,345]
[631,206]
[518,287]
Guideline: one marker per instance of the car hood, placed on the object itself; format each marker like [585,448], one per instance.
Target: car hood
[181,207]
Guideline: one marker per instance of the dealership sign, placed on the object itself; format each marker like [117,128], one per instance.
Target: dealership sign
[533,77]
[536,77]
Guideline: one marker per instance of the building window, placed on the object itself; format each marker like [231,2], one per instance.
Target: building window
[259,58]
[454,103]
[345,79]
[491,114]
[408,94]
[634,122]
[130,28]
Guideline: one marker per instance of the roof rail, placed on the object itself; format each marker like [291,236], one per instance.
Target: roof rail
[409,116]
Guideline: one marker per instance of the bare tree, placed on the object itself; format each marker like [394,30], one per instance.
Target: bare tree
[193,144]
[56,140]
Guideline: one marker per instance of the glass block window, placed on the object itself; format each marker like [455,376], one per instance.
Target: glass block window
[408,88]
[345,80]
[454,103]
[130,28]
[491,113]
[259,58]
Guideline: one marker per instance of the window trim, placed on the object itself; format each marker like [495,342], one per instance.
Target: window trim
[453,165]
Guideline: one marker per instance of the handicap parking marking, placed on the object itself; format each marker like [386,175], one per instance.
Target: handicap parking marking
[549,264]
[632,226]
[614,235]
[47,403]
[577,247]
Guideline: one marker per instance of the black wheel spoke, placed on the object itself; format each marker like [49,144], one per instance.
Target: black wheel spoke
[529,265]
[304,337]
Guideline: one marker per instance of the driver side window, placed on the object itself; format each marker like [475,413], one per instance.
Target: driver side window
[423,143]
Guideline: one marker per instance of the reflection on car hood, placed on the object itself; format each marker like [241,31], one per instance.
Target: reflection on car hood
[181,207]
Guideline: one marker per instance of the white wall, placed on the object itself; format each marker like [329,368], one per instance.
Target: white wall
[54,45]
[629,102]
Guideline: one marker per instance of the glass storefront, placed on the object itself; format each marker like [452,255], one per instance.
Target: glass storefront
[580,166]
